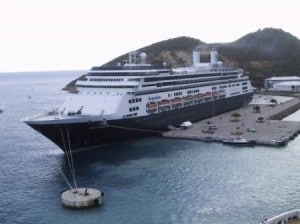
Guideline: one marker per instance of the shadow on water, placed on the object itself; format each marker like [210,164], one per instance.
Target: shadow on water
[117,165]
[118,153]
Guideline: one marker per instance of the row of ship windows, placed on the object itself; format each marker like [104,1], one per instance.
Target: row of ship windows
[133,109]
[237,84]
[100,93]
[107,86]
[213,88]
[160,84]
[188,81]
[110,79]
[193,91]
[175,77]
[142,92]
[107,80]
[178,94]
[130,115]
[235,93]
[197,91]
[135,100]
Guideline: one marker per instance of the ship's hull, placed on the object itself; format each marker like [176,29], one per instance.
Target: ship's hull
[79,136]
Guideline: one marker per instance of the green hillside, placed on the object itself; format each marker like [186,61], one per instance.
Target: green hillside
[264,53]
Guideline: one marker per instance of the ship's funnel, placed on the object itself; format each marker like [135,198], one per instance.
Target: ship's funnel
[213,56]
[132,57]
[196,57]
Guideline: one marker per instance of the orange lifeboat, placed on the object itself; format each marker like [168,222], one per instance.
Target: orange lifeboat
[151,105]
[188,98]
[199,96]
[207,94]
[215,93]
[164,103]
[177,100]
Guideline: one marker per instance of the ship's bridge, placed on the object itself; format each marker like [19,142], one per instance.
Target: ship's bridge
[92,104]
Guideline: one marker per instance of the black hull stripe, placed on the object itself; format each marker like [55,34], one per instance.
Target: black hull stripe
[87,135]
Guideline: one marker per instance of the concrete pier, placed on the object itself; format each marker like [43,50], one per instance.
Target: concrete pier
[263,127]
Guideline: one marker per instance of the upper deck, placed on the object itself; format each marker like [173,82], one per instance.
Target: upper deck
[133,76]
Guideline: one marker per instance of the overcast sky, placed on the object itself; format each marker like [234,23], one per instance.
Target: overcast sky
[38,35]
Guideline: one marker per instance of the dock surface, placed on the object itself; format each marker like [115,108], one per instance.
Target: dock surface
[263,127]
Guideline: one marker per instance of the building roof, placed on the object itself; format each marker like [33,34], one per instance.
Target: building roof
[283,78]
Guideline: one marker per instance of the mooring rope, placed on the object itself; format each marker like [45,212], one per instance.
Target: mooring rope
[72,163]
[68,159]
[65,178]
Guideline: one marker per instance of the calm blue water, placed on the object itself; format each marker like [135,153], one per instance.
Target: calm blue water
[153,180]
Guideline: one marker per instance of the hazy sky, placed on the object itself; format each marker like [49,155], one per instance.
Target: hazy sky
[40,35]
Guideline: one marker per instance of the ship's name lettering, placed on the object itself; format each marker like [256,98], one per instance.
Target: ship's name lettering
[154,98]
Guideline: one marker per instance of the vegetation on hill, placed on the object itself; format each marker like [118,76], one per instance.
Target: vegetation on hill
[262,54]
[265,53]
[175,52]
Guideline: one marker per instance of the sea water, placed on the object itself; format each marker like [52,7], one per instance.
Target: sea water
[151,180]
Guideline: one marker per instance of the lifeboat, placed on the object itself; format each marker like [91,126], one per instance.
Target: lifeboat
[177,100]
[215,93]
[188,98]
[164,103]
[151,105]
[222,93]
[207,94]
[199,96]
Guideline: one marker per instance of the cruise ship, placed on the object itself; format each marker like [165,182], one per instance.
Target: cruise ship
[136,99]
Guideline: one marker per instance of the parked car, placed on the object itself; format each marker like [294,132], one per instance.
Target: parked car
[212,126]
[251,129]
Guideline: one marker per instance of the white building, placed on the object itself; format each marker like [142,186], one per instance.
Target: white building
[270,82]
[290,86]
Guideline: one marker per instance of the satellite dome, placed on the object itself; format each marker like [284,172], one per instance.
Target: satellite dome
[143,55]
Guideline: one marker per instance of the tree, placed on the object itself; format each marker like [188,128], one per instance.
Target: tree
[235,116]
[260,120]
[273,101]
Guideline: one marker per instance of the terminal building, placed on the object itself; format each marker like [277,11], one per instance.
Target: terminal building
[283,84]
